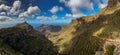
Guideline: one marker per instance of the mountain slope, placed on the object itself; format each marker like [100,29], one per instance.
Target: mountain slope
[90,36]
[64,37]
[112,6]
[92,32]
[25,40]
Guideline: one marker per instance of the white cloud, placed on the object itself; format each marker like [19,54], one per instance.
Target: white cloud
[24,15]
[76,5]
[77,12]
[4,7]
[80,4]
[42,18]
[54,17]
[102,5]
[2,13]
[2,1]
[32,10]
[5,18]
[73,15]
[15,9]
[55,9]
[68,15]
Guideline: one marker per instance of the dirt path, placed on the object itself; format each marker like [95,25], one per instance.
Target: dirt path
[116,42]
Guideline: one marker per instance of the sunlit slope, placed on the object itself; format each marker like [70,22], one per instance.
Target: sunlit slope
[89,34]
[65,36]
[112,6]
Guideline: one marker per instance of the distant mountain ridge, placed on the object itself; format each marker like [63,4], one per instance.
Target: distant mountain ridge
[47,30]
[49,27]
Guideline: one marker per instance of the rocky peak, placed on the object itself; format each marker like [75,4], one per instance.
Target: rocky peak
[24,25]
[112,3]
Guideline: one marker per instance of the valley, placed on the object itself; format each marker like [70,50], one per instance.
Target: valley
[87,35]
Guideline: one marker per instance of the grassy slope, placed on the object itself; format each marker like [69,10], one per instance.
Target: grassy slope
[65,36]
[85,41]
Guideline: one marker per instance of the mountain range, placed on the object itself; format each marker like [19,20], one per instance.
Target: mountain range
[83,36]
[49,30]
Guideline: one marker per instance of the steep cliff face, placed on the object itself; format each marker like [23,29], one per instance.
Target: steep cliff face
[24,40]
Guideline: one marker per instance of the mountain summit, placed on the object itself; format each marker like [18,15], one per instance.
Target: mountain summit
[112,3]
[24,25]
[112,6]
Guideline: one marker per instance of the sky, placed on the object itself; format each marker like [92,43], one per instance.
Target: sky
[49,12]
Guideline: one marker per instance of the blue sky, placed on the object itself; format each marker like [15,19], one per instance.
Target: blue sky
[49,12]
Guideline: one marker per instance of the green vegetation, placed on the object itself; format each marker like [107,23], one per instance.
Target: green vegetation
[86,43]
[83,36]
[6,50]
[65,37]
[110,49]
[17,41]
[90,34]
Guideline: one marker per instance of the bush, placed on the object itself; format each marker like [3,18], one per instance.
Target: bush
[110,49]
